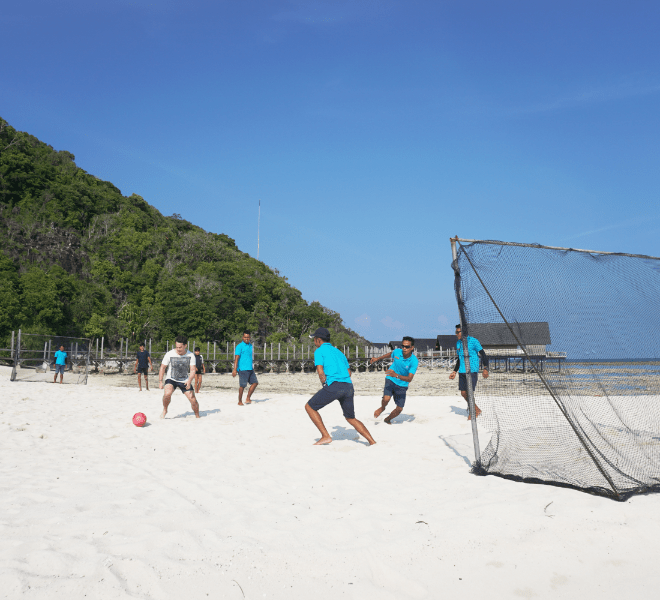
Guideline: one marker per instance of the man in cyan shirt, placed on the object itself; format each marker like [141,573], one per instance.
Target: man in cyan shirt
[335,375]
[60,364]
[474,352]
[244,368]
[180,366]
[399,376]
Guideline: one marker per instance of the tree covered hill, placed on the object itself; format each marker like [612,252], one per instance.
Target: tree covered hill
[80,259]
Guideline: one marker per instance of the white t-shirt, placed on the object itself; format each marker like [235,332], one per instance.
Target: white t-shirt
[178,367]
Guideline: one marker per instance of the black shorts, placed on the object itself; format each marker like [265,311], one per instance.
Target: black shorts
[398,392]
[143,371]
[462,381]
[338,390]
[179,385]
[199,372]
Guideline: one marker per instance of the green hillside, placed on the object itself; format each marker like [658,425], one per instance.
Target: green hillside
[80,259]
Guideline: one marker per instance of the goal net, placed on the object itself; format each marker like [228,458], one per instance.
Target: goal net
[34,358]
[573,343]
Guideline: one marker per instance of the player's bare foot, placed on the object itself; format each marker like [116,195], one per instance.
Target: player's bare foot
[324,441]
[248,402]
[477,410]
[163,414]
[378,412]
[388,420]
[240,403]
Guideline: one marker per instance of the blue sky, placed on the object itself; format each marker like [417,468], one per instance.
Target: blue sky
[371,131]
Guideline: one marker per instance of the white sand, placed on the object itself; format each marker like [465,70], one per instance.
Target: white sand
[240,504]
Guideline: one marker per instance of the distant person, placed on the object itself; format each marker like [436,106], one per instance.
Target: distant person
[200,369]
[143,365]
[180,366]
[403,369]
[474,352]
[60,363]
[335,375]
[244,368]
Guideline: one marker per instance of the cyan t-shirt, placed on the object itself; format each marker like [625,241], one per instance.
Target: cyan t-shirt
[403,366]
[60,357]
[474,347]
[245,352]
[334,363]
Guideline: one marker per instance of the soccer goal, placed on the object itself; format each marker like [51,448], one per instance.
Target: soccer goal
[34,358]
[573,342]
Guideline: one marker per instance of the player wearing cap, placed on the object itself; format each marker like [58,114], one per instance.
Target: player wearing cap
[404,367]
[335,375]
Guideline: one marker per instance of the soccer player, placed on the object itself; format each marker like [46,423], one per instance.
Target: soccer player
[335,375]
[180,366]
[143,365]
[404,367]
[200,369]
[474,352]
[60,364]
[244,368]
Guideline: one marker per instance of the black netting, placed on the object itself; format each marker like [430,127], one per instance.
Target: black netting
[34,357]
[573,343]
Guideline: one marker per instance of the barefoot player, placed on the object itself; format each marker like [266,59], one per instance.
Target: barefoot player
[474,352]
[200,369]
[404,367]
[180,366]
[244,368]
[335,375]
[143,365]
[60,364]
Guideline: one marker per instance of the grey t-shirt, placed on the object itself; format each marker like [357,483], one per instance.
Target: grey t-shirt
[178,367]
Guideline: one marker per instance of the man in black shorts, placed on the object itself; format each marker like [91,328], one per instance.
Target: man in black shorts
[200,369]
[180,366]
[142,366]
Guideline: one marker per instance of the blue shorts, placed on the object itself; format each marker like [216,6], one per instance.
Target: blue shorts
[144,371]
[462,381]
[59,369]
[339,390]
[245,377]
[179,385]
[398,392]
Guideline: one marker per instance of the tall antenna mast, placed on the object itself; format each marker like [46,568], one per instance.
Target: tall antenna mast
[258,227]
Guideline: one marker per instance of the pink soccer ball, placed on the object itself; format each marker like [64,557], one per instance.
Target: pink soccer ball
[139,419]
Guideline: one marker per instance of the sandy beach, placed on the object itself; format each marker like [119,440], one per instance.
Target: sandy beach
[239,504]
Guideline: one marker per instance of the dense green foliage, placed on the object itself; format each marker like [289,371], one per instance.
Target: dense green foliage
[80,259]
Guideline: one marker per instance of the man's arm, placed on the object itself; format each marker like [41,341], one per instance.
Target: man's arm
[151,366]
[234,372]
[394,374]
[484,362]
[321,373]
[161,374]
[135,365]
[191,375]
[453,373]
[377,358]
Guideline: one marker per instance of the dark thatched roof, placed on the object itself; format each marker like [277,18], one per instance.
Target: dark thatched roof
[499,334]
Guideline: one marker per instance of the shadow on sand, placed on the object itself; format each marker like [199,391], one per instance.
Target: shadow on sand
[453,448]
[346,433]
[459,411]
[202,413]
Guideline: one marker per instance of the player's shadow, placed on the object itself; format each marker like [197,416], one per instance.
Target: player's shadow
[401,419]
[258,400]
[202,413]
[455,451]
[459,411]
[344,433]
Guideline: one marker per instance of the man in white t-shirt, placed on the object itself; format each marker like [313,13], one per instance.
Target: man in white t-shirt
[180,366]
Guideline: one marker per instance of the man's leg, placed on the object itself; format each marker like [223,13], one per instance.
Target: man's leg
[316,419]
[146,381]
[383,405]
[252,388]
[61,375]
[198,383]
[167,398]
[140,381]
[360,428]
[240,396]
[190,394]
[393,415]
[477,410]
